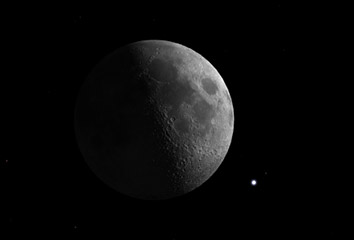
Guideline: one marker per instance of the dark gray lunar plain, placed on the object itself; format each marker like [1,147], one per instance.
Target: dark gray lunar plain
[154,120]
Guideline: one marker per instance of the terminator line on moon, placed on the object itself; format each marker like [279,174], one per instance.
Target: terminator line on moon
[154,120]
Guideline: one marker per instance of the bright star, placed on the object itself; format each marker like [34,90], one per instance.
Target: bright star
[254,182]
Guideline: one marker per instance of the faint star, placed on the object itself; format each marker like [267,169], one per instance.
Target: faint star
[77,19]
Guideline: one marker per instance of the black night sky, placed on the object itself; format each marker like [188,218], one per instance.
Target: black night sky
[265,54]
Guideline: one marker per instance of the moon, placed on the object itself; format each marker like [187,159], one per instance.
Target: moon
[154,120]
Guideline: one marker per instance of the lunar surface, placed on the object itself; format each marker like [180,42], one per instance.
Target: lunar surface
[154,120]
